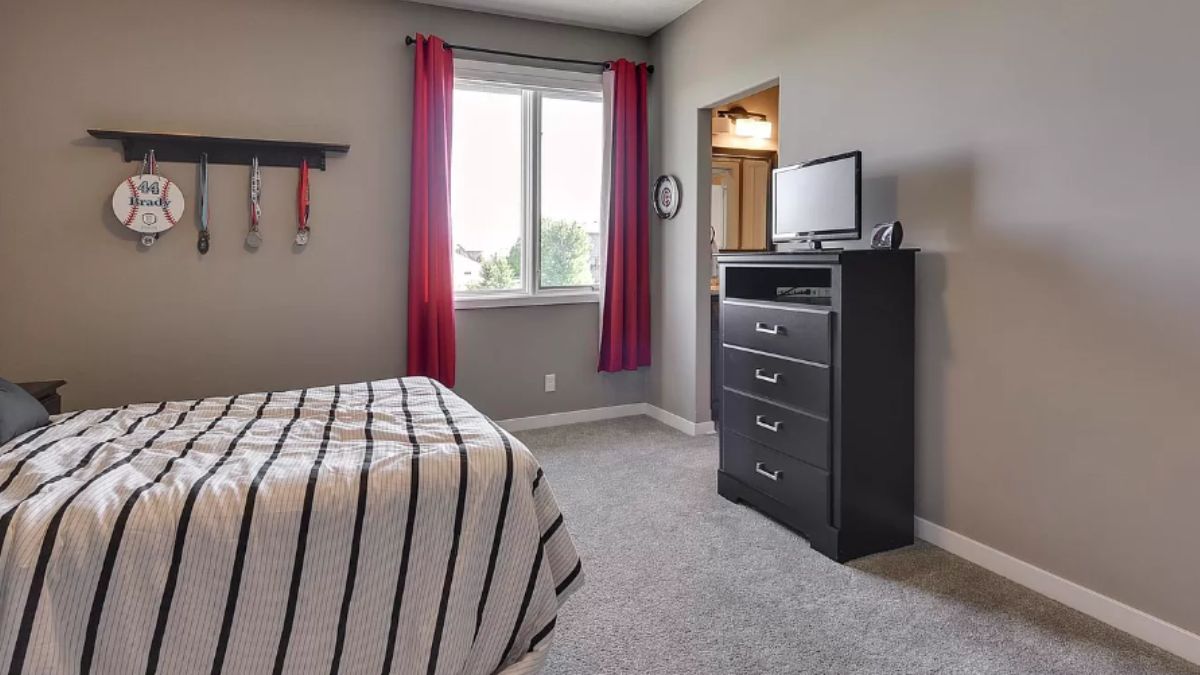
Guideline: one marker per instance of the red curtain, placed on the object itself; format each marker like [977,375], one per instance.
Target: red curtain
[625,321]
[430,247]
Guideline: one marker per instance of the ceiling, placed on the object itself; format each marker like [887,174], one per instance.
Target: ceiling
[639,17]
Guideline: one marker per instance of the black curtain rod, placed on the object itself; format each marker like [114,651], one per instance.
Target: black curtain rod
[410,40]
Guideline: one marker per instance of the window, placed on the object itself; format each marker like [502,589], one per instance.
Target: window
[525,185]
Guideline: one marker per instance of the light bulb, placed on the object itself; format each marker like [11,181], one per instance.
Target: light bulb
[752,128]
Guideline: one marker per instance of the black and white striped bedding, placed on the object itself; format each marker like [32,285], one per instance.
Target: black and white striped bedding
[366,528]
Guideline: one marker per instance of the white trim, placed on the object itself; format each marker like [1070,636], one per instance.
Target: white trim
[534,86]
[1170,637]
[573,417]
[554,79]
[676,422]
[514,300]
[607,413]
[608,84]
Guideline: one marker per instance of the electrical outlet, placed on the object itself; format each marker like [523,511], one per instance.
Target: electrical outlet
[550,383]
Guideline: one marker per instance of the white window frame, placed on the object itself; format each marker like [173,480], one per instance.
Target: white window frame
[533,83]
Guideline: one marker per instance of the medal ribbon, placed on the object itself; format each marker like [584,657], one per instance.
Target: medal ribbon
[255,193]
[302,196]
[202,240]
[204,192]
[150,166]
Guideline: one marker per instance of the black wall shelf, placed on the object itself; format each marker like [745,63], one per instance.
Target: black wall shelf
[188,147]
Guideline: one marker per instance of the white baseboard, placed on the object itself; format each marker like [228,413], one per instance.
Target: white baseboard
[573,417]
[676,422]
[607,413]
[1170,637]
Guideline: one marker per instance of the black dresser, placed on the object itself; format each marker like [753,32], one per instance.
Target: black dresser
[817,394]
[46,392]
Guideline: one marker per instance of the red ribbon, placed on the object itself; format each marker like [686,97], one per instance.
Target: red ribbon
[302,195]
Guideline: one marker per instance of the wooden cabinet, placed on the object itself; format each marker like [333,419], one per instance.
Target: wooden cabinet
[756,187]
[746,184]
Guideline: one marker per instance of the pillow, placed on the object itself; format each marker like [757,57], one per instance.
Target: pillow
[19,412]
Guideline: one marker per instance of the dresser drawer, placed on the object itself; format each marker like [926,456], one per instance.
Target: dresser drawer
[794,484]
[800,385]
[801,436]
[798,333]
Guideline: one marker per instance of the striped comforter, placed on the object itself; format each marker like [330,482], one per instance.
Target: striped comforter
[384,527]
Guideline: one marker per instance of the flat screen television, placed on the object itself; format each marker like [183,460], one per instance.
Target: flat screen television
[818,201]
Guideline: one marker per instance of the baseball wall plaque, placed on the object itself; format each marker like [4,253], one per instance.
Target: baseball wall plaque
[666,196]
[148,204]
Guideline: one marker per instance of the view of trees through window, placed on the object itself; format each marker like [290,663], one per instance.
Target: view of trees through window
[567,259]
[490,160]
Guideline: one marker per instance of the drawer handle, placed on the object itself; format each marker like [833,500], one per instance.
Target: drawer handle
[769,426]
[760,374]
[769,330]
[761,469]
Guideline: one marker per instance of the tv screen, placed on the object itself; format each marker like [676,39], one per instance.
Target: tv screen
[818,200]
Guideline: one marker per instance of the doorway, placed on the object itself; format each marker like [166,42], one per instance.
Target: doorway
[743,150]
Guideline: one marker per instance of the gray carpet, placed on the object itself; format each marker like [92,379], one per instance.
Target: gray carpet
[681,581]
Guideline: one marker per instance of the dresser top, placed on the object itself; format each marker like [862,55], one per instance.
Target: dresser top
[40,390]
[809,257]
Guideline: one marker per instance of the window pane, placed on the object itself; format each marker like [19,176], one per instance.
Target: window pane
[572,144]
[485,190]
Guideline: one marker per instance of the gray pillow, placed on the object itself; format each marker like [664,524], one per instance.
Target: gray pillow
[19,412]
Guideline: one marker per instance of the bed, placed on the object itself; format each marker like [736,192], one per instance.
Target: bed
[364,528]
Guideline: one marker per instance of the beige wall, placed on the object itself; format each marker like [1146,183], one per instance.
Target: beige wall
[1045,156]
[79,301]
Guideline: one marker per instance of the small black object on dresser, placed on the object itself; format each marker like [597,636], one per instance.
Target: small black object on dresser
[887,235]
[817,398]
[46,393]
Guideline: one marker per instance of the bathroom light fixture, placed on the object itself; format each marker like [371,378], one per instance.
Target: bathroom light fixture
[752,128]
[747,124]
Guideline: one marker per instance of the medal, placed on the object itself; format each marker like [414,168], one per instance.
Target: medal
[302,205]
[254,237]
[149,164]
[202,242]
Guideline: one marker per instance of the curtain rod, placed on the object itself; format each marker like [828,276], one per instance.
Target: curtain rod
[410,40]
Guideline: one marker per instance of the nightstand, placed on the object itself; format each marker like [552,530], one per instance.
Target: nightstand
[46,393]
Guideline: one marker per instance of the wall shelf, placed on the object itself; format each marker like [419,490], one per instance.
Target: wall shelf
[188,148]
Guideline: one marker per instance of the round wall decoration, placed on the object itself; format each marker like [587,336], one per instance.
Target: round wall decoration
[147,203]
[666,196]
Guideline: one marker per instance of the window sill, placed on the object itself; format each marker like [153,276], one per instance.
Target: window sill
[496,301]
